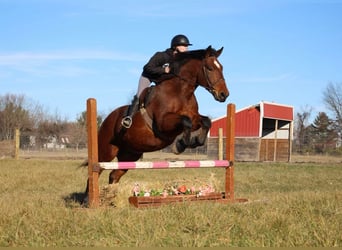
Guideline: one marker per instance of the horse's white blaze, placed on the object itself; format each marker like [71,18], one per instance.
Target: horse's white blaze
[217,64]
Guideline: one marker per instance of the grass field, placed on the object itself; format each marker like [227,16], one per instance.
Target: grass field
[290,204]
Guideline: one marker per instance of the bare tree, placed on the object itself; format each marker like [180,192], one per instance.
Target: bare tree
[82,119]
[78,129]
[77,135]
[51,128]
[332,97]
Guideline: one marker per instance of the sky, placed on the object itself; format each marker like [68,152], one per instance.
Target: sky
[59,53]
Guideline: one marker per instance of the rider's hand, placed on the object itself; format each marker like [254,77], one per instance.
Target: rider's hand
[167,69]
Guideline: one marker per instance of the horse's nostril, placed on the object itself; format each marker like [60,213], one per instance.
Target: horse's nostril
[224,95]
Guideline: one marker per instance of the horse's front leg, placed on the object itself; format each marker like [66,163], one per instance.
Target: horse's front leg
[173,125]
[123,155]
[115,175]
[183,141]
[199,136]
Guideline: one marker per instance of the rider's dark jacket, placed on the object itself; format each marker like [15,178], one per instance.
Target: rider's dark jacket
[154,70]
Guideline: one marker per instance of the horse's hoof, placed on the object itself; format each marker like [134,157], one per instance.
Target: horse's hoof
[178,148]
[174,150]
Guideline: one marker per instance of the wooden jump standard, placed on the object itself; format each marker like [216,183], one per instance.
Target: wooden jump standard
[94,165]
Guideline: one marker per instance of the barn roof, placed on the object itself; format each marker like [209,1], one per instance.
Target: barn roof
[274,111]
[249,120]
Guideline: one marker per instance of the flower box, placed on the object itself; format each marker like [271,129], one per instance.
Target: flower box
[155,201]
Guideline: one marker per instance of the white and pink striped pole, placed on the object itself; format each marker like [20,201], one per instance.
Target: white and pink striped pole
[163,164]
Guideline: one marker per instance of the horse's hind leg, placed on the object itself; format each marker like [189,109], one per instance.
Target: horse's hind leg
[183,141]
[106,153]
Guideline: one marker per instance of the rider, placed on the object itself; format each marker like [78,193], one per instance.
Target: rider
[156,70]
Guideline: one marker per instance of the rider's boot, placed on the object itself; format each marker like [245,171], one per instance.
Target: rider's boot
[127,120]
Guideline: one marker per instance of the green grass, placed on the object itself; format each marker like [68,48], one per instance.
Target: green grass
[289,205]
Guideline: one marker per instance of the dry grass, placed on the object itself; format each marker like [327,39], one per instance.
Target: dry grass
[316,158]
[61,154]
[72,154]
[6,148]
[289,205]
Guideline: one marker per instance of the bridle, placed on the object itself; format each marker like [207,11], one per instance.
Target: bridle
[209,82]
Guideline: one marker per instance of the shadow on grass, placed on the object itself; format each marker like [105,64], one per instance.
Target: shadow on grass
[75,199]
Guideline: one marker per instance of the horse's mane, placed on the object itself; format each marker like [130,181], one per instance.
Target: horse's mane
[182,58]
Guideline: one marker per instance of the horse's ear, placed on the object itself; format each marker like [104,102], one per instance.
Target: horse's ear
[218,53]
[208,51]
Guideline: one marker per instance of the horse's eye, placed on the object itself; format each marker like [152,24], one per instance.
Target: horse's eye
[210,68]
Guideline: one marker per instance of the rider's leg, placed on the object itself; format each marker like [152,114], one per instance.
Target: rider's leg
[144,82]
[127,120]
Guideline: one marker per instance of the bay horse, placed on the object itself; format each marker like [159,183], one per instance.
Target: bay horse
[168,112]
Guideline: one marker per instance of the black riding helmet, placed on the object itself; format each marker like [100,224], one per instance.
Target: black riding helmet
[180,40]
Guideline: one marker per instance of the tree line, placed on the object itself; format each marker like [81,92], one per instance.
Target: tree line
[324,134]
[40,129]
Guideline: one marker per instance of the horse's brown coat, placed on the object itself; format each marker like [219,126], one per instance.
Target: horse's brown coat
[173,109]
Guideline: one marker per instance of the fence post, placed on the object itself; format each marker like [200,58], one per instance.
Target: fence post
[17,144]
[220,144]
[230,150]
[93,176]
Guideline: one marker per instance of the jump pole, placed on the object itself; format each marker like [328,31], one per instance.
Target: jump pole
[94,165]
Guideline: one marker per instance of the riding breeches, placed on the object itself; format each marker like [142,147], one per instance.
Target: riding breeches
[144,82]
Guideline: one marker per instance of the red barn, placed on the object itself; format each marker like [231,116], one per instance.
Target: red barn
[263,132]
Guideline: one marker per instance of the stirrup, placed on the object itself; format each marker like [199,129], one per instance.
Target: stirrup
[126,122]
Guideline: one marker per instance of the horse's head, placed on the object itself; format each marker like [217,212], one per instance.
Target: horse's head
[211,76]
